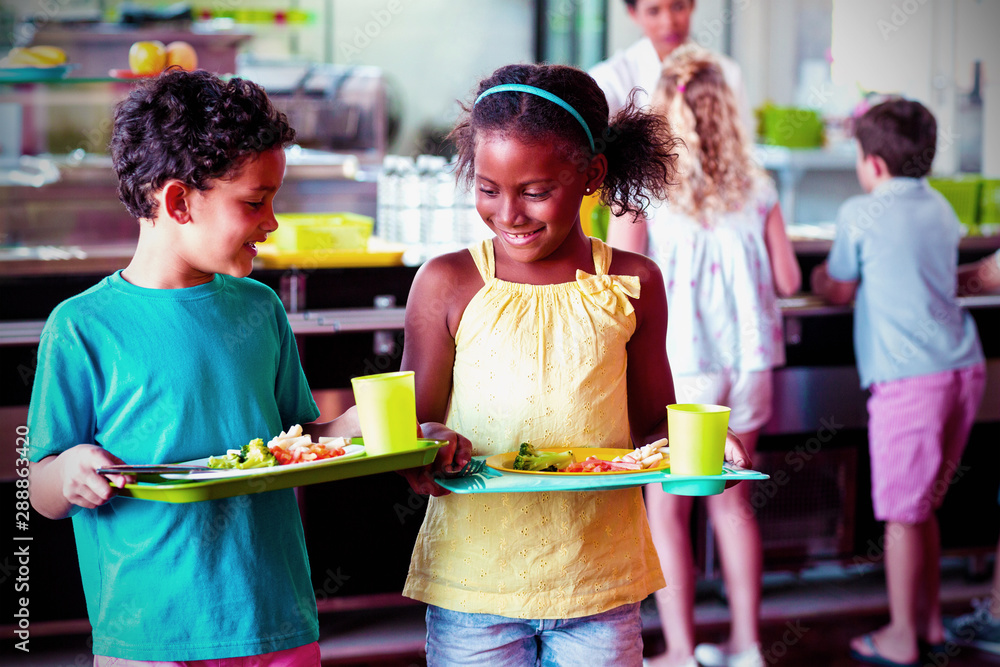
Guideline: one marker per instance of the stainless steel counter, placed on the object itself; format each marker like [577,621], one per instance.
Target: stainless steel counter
[810,305]
[807,512]
[972,244]
[807,394]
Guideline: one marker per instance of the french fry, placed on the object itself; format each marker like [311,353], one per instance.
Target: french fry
[652,460]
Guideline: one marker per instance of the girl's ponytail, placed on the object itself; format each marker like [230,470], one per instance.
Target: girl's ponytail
[642,159]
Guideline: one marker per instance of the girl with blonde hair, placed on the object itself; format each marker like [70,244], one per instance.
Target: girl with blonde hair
[721,246]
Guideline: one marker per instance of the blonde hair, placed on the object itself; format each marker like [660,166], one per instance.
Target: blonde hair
[716,170]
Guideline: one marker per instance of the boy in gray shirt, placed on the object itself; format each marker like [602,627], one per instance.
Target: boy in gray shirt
[896,253]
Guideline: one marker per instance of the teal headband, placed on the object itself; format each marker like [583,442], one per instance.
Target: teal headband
[521,88]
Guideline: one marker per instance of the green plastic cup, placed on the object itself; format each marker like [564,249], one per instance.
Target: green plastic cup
[387,411]
[697,436]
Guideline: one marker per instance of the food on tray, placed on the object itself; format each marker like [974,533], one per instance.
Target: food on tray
[34,56]
[529,458]
[643,458]
[294,447]
[646,456]
[253,455]
[592,464]
[288,447]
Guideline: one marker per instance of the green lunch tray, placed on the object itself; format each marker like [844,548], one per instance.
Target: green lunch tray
[491,480]
[178,490]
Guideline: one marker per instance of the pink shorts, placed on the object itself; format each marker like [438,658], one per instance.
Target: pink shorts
[302,656]
[917,430]
[746,393]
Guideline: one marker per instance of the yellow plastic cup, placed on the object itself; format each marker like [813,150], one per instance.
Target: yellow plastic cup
[387,411]
[697,437]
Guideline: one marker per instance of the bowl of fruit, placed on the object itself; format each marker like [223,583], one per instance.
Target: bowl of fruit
[34,63]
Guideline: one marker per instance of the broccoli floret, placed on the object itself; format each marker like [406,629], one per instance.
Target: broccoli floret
[247,448]
[256,455]
[529,458]
[230,460]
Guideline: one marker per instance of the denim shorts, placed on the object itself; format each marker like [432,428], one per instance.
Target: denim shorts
[612,638]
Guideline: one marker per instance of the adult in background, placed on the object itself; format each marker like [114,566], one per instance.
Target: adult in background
[665,25]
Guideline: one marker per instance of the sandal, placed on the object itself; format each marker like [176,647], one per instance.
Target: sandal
[876,658]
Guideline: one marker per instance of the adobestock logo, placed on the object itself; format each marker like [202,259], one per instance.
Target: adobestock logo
[898,17]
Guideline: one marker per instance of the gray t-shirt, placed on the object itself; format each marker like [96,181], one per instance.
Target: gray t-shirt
[901,243]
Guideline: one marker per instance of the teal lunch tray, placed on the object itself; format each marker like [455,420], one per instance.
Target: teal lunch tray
[175,489]
[491,480]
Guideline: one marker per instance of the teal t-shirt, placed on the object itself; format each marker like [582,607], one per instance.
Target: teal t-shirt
[901,243]
[161,376]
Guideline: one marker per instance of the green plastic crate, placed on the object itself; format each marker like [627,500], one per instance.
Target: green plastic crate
[791,127]
[989,201]
[962,192]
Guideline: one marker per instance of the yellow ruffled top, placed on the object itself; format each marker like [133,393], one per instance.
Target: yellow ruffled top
[544,364]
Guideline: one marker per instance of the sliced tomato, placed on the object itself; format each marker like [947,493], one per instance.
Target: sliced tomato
[303,453]
[625,465]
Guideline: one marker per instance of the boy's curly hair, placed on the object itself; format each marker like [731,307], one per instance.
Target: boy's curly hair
[639,147]
[718,171]
[903,133]
[189,126]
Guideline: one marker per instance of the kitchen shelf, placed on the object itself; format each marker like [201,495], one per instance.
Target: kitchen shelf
[66,81]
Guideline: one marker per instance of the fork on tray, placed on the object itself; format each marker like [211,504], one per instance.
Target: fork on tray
[473,467]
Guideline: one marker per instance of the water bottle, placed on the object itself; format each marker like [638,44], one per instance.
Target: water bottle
[386,199]
[469,227]
[427,166]
[408,202]
[443,220]
[437,233]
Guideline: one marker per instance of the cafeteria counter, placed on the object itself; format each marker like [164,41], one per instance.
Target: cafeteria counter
[348,321]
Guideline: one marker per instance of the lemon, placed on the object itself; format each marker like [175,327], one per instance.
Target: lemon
[52,54]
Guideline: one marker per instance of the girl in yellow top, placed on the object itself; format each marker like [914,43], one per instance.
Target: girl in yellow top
[528,337]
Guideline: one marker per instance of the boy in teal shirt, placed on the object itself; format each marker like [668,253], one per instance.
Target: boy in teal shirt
[177,357]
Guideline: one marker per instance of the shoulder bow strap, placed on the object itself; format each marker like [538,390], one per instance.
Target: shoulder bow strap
[612,292]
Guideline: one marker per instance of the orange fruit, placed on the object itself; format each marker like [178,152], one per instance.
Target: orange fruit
[146,58]
[182,55]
